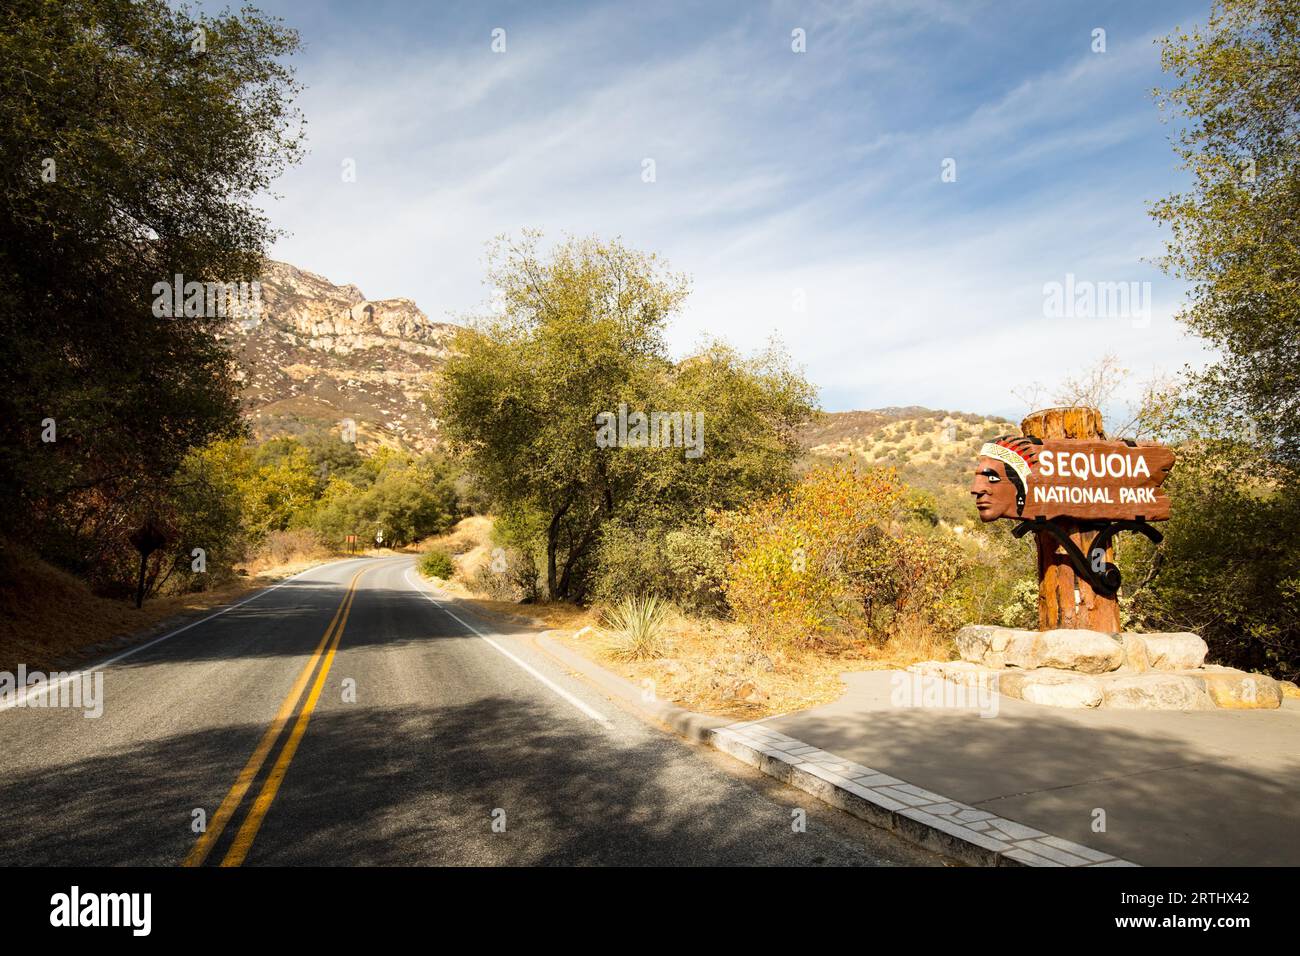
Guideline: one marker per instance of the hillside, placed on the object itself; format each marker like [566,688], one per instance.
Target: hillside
[320,353]
[933,449]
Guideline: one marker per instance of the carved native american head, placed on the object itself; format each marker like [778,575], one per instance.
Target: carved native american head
[1002,476]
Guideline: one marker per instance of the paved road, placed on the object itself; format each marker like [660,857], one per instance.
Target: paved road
[347,718]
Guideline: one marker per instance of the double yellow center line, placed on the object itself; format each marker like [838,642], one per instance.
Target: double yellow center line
[243,842]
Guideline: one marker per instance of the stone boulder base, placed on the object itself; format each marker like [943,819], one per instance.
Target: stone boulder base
[1237,690]
[1053,688]
[1174,652]
[1136,658]
[1155,691]
[1091,652]
[1196,689]
[1088,652]
[998,646]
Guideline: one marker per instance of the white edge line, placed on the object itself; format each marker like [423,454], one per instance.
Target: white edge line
[593,714]
[19,699]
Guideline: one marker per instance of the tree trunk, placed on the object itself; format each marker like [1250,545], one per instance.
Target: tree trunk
[139,585]
[1065,599]
[552,546]
[552,542]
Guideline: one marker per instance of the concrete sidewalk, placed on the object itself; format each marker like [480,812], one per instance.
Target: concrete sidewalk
[1195,788]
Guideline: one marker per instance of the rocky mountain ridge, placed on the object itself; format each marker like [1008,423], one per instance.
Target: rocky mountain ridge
[320,353]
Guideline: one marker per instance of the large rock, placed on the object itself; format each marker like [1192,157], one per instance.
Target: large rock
[965,673]
[975,640]
[1232,689]
[320,353]
[1090,652]
[1173,652]
[1011,683]
[1054,688]
[1136,658]
[1154,691]
[998,646]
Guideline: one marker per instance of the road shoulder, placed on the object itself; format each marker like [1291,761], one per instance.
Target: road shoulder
[929,820]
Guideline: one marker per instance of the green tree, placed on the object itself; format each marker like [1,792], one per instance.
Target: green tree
[1237,83]
[280,486]
[207,512]
[753,407]
[581,334]
[1229,566]
[404,497]
[133,141]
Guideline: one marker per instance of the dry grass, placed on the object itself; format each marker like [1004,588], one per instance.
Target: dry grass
[468,535]
[49,619]
[470,545]
[284,548]
[714,667]
[920,436]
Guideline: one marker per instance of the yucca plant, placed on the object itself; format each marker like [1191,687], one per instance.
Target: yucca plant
[639,625]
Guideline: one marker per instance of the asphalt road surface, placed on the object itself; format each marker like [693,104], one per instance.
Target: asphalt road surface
[346,717]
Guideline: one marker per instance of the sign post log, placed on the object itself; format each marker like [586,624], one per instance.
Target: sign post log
[1058,583]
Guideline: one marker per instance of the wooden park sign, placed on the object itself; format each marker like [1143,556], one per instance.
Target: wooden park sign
[1068,478]
[1075,490]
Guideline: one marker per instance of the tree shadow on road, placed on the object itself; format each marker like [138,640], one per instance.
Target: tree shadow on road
[418,785]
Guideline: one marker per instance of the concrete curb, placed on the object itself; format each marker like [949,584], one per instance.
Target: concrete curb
[956,830]
[932,821]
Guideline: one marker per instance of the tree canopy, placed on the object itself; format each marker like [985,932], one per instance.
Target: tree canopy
[133,140]
[581,334]
[1234,229]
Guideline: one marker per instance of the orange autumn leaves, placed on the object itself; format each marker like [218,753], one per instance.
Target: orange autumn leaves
[835,556]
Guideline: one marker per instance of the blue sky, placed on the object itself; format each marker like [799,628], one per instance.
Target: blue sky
[802,192]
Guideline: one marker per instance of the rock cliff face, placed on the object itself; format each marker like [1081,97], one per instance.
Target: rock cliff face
[320,353]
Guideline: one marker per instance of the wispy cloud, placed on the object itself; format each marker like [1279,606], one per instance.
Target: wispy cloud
[781,177]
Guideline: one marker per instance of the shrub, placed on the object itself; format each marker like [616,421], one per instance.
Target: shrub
[511,575]
[437,564]
[830,557]
[639,625]
[630,561]
[285,547]
[697,560]
[686,566]
[921,506]
[930,564]
[1022,609]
